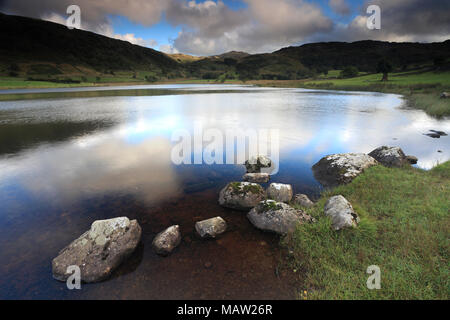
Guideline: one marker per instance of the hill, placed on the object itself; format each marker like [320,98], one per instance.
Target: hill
[45,48]
[365,54]
[32,49]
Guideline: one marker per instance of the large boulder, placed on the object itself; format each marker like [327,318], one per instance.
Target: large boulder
[337,169]
[341,213]
[256,177]
[280,192]
[241,195]
[255,164]
[303,201]
[211,228]
[99,251]
[390,156]
[166,241]
[277,217]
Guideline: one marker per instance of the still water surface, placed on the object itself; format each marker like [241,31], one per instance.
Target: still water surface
[65,162]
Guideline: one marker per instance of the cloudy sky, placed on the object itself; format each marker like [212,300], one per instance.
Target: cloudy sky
[206,27]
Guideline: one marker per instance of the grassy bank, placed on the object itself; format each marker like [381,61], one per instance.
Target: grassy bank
[404,228]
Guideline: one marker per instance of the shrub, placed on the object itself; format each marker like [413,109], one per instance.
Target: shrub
[349,72]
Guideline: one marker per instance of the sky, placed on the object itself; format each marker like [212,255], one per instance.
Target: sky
[207,27]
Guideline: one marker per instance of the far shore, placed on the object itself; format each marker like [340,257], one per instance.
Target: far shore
[425,96]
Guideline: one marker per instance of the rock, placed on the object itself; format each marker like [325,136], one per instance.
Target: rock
[257,177]
[341,213]
[432,135]
[445,95]
[211,228]
[241,195]
[412,159]
[255,164]
[337,169]
[166,241]
[280,192]
[99,251]
[303,200]
[277,217]
[390,156]
[441,133]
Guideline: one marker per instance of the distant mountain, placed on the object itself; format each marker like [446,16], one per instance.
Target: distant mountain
[25,40]
[233,55]
[183,58]
[35,47]
[365,54]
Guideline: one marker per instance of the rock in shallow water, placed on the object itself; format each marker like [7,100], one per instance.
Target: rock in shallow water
[390,156]
[255,164]
[99,251]
[277,217]
[211,228]
[257,177]
[341,213]
[166,241]
[280,192]
[303,201]
[241,195]
[337,169]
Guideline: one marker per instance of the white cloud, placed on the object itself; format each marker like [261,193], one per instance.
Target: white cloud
[105,29]
[212,28]
[167,48]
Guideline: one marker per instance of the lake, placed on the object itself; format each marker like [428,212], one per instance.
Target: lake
[66,161]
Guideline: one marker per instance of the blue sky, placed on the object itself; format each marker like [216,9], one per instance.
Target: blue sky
[208,27]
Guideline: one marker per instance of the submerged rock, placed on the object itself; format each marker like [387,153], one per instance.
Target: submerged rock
[257,177]
[280,192]
[241,195]
[337,169]
[341,213]
[277,217]
[99,251]
[255,164]
[303,201]
[166,241]
[390,156]
[441,133]
[211,228]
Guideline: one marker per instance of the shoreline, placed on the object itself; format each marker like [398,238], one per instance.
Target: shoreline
[426,98]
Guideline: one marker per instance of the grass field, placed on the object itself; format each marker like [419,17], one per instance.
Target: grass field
[403,231]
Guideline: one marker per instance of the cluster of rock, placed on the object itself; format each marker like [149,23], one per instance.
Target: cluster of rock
[268,210]
[101,249]
[337,169]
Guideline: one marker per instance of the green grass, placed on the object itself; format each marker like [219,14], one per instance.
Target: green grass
[404,229]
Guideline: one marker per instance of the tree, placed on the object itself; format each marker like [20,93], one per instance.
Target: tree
[384,67]
[439,62]
[349,72]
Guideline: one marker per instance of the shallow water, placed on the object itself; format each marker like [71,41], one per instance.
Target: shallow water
[65,162]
